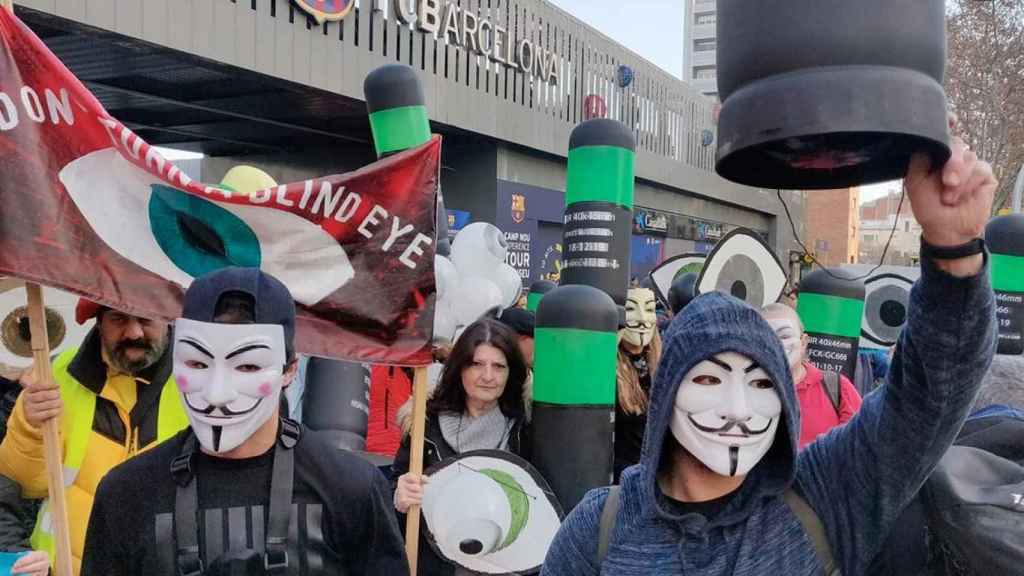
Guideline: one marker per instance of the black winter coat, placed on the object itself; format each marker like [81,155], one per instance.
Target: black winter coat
[17,515]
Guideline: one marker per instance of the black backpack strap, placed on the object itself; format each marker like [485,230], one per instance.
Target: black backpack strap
[275,558]
[815,530]
[186,505]
[609,512]
[833,388]
[186,508]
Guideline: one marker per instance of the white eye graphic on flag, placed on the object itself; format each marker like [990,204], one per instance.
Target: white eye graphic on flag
[180,236]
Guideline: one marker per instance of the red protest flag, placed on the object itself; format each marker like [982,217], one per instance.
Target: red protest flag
[89,207]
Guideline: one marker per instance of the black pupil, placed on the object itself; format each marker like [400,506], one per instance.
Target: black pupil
[24,329]
[199,235]
[893,313]
[739,290]
[471,546]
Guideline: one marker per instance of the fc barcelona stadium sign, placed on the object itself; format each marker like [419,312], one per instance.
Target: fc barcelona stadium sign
[326,10]
[448,21]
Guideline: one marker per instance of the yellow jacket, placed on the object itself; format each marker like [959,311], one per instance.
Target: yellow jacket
[107,418]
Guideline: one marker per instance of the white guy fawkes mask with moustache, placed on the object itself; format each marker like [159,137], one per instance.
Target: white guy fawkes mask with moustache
[726,413]
[641,318]
[230,377]
[787,327]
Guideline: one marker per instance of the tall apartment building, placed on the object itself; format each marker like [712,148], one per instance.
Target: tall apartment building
[699,46]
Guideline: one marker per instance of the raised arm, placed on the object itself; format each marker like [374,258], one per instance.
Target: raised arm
[859,477]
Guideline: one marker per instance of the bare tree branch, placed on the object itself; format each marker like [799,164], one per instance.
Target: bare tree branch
[985,82]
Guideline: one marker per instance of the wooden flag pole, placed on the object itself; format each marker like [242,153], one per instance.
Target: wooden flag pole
[419,422]
[51,431]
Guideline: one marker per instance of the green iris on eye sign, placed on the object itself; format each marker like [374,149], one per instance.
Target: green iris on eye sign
[517,501]
[199,236]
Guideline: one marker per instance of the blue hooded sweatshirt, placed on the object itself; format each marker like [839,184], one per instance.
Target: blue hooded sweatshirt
[857,478]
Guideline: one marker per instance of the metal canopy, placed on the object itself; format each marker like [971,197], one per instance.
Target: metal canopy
[175,99]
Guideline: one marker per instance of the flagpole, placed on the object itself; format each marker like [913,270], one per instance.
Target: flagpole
[419,417]
[51,430]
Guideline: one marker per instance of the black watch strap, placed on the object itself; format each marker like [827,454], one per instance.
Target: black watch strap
[976,246]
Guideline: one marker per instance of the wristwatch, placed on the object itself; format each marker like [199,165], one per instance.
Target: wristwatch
[970,248]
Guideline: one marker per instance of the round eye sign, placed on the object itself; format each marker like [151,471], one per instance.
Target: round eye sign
[885,308]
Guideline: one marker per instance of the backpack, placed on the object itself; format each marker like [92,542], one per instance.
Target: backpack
[968,518]
[834,389]
[808,519]
[975,508]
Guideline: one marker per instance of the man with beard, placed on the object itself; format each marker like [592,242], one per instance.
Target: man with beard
[113,401]
[244,490]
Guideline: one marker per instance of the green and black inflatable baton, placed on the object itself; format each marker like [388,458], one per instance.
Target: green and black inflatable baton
[537,291]
[1005,238]
[599,207]
[399,121]
[831,307]
[398,111]
[577,323]
[576,338]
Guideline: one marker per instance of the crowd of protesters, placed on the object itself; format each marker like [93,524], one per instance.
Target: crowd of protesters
[180,457]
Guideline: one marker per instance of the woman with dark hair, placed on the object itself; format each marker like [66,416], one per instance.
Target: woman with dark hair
[479,404]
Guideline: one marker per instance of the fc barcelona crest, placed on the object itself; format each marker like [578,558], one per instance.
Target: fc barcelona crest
[518,208]
[326,10]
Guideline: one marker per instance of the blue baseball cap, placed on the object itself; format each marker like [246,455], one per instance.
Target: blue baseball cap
[272,301]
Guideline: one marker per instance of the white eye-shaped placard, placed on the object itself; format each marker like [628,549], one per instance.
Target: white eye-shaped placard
[666,273]
[490,512]
[886,298]
[15,343]
[744,266]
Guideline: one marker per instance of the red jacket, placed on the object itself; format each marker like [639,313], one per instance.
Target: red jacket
[817,414]
[390,387]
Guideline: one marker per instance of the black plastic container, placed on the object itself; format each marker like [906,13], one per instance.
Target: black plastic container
[821,94]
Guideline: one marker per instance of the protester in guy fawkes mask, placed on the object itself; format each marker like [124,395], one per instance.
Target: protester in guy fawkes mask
[827,399]
[721,487]
[639,354]
[264,494]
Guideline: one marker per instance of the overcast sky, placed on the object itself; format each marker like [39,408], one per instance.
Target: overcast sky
[651,28]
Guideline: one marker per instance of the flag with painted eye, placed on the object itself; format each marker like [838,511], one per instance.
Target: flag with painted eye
[89,207]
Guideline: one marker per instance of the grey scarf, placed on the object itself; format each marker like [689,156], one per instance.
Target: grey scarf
[486,432]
